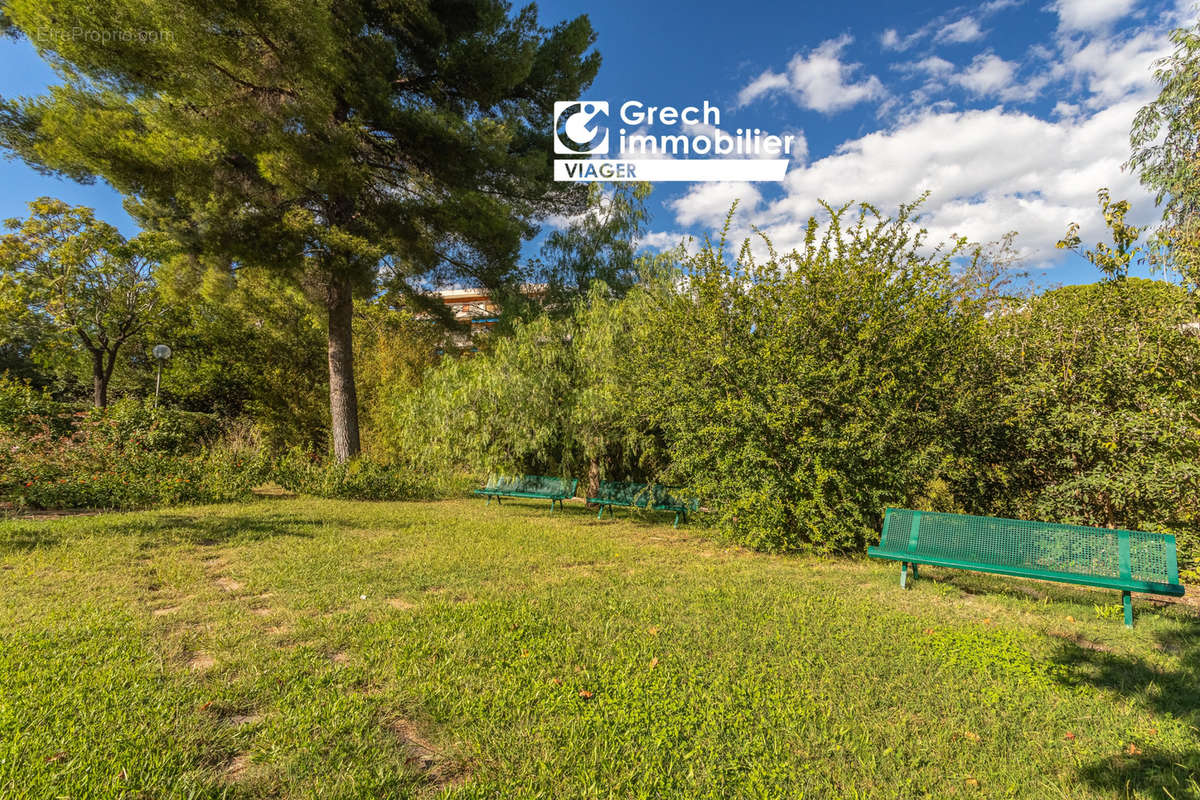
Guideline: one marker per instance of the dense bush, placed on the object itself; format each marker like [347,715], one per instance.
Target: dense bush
[128,456]
[1085,408]
[25,410]
[358,479]
[800,394]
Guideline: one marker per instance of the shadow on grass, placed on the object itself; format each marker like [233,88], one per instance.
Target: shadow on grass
[159,529]
[167,529]
[1169,774]
[582,513]
[21,537]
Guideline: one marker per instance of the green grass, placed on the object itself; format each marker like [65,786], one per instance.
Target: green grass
[299,648]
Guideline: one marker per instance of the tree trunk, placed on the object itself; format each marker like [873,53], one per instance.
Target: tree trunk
[593,478]
[99,380]
[343,399]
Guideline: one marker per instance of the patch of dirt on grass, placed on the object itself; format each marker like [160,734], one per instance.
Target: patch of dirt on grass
[162,612]
[237,767]
[42,516]
[237,720]
[272,490]
[340,657]
[228,584]
[438,769]
[201,662]
[400,603]
[1079,641]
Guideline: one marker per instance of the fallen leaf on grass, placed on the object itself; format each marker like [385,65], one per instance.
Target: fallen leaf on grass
[1070,737]
[205,706]
[59,756]
[585,694]
[974,737]
[1133,749]
[972,782]
[653,631]
[653,663]
[556,681]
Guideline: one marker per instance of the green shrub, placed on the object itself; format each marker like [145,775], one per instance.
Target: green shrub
[358,479]
[1084,407]
[25,410]
[799,394]
[126,458]
[134,423]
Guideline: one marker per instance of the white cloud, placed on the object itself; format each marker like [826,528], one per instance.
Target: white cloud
[1109,69]
[1090,15]
[987,74]
[891,39]
[708,203]
[935,66]
[820,80]
[1064,109]
[666,240]
[963,30]
[989,172]
[764,84]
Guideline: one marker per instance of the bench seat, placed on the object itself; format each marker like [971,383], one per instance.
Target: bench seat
[1123,560]
[641,495]
[537,487]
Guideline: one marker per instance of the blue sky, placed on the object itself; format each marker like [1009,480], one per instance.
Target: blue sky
[1011,112]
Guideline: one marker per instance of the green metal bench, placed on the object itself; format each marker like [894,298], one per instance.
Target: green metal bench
[1128,561]
[641,495]
[540,487]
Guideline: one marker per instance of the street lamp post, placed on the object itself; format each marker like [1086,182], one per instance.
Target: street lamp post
[161,354]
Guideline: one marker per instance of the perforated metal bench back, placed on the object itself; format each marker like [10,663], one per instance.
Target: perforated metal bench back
[533,484]
[626,494]
[640,495]
[1029,545]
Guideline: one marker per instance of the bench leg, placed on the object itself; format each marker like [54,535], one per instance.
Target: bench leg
[676,525]
[601,514]
[489,502]
[1127,599]
[914,566]
[903,574]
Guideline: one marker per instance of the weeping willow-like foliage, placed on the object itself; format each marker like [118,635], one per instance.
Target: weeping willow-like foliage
[550,399]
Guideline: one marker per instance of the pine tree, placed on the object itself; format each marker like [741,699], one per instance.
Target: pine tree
[332,140]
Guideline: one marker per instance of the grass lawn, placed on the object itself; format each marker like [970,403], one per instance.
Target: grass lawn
[302,648]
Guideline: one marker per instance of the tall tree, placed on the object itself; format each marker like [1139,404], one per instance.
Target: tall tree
[83,278]
[323,139]
[1166,153]
[598,245]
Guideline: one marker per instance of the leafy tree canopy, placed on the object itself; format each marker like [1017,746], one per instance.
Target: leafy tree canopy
[325,140]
